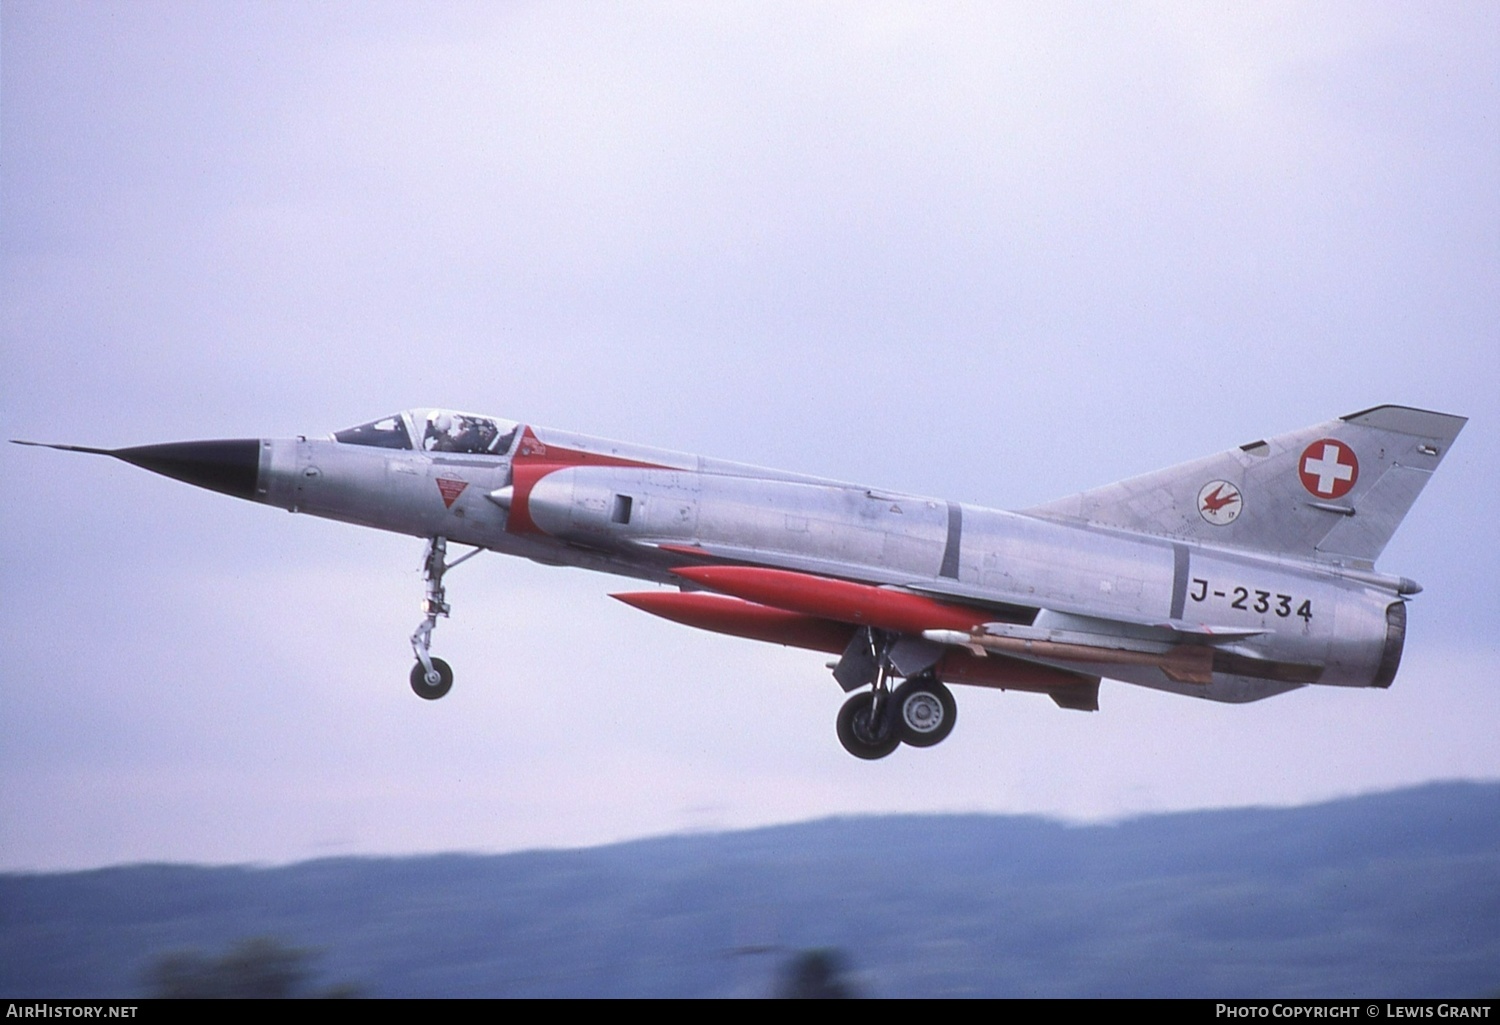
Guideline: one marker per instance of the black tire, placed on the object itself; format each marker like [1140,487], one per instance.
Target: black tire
[859,737]
[923,712]
[432,691]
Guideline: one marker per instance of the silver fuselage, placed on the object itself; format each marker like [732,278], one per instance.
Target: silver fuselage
[617,505]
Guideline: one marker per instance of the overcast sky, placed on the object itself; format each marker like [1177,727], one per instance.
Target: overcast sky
[990,253]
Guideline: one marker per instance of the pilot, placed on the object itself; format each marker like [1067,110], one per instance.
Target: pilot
[439,437]
[488,432]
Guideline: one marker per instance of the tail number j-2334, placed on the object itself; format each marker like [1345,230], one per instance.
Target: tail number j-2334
[1249,600]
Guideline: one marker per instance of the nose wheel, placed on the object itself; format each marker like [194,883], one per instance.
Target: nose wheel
[433,683]
[431,678]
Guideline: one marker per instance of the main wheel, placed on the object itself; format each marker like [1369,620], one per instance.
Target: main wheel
[431,690]
[862,737]
[923,712]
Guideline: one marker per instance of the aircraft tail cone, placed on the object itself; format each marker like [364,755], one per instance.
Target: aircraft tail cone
[231,467]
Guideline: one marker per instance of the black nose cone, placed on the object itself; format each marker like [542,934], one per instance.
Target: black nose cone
[228,466]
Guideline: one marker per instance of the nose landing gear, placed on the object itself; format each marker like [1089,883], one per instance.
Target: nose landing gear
[431,677]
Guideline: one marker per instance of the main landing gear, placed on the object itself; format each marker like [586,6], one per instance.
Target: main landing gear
[431,677]
[923,711]
[865,726]
[920,712]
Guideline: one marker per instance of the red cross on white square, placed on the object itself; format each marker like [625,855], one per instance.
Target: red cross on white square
[1328,468]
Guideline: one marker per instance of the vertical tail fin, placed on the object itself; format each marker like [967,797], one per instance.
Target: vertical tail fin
[1336,491]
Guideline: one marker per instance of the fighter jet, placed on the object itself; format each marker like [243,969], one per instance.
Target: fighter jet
[1232,578]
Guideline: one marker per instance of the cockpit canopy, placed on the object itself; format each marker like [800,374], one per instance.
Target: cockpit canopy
[435,430]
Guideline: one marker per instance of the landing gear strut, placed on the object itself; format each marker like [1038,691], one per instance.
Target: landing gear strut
[431,678]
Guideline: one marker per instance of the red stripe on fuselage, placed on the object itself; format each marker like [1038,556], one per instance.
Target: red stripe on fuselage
[534,460]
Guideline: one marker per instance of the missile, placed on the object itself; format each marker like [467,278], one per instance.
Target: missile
[840,600]
[1183,663]
[1068,689]
[742,619]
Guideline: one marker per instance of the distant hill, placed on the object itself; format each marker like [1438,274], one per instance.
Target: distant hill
[1394,894]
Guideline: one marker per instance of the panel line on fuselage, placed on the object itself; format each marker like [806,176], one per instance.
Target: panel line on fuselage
[1180,559]
[949,567]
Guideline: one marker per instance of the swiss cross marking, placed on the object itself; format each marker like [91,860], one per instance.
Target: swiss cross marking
[1328,468]
[450,490]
